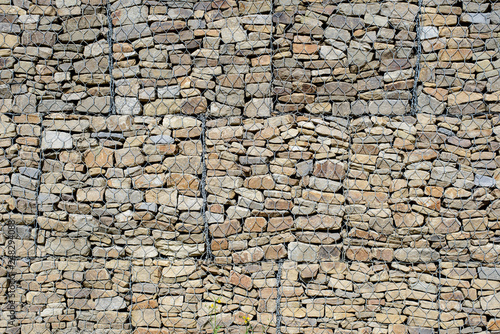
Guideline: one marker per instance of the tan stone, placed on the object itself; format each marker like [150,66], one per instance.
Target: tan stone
[329,169]
[463,97]
[259,182]
[454,55]
[129,157]
[99,157]
[240,280]
[255,224]
[146,318]
[166,197]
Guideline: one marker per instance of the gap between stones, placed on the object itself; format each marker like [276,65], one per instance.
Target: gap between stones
[37,190]
[112,108]
[414,98]
[203,183]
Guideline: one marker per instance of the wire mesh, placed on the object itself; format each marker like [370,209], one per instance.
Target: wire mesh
[266,166]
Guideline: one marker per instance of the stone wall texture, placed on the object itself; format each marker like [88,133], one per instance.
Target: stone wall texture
[311,166]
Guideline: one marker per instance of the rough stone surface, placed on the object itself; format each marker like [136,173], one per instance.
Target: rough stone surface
[340,157]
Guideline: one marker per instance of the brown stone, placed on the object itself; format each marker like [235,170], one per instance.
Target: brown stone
[99,157]
[329,169]
[255,224]
[240,280]
[454,55]
[259,182]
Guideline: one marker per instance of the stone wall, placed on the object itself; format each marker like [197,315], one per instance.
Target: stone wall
[317,166]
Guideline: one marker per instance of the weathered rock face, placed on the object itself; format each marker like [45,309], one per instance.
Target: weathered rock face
[333,161]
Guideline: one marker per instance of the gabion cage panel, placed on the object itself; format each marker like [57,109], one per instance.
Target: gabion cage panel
[250,166]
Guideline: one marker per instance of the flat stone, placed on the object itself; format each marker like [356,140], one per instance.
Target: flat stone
[124,196]
[127,106]
[166,197]
[99,157]
[110,303]
[329,169]
[240,280]
[169,91]
[484,181]
[337,34]
[163,107]
[475,18]
[489,273]
[258,107]
[129,157]
[30,172]
[84,22]
[62,246]
[233,32]
[8,41]
[94,105]
[302,252]
[131,32]
[55,140]
[330,53]
[413,255]
[130,15]
[146,317]
[388,107]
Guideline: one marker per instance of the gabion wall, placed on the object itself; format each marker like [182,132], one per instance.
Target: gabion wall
[286,166]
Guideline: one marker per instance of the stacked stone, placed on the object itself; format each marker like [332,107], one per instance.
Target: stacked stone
[345,64]
[274,156]
[457,126]
[60,92]
[239,173]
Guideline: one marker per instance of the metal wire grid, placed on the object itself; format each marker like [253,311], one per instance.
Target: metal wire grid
[313,167]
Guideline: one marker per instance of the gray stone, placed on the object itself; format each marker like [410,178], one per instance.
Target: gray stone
[63,246]
[33,173]
[79,222]
[324,184]
[491,302]
[24,104]
[24,182]
[304,168]
[359,57]
[495,17]
[110,303]
[124,196]
[428,32]
[131,32]
[475,18]
[337,34]
[127,106]
[84,22]
[97,65]
[46,106]
[131,15]
[330,53]
[302,252]
[416,255]
[48,199]
[169,91]
[233,32]
[489,273]
[162,139]
[484,181]
[258,108]
[444,176]
[388,107]
[429,105]
[55,140]
[94,105]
